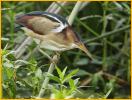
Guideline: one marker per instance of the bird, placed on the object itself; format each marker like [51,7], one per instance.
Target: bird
[51,31]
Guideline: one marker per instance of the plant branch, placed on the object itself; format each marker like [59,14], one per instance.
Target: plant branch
[46,81]
[106,75]
[74,12]
[108,34]
[21,49]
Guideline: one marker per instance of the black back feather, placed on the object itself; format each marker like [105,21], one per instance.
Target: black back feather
[42,13]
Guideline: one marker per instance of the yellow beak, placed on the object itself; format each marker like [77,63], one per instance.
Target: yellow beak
[83,48]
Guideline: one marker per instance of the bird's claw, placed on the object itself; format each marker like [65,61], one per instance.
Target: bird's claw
[55,59]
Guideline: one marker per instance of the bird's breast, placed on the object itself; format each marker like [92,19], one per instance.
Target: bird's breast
[53,45]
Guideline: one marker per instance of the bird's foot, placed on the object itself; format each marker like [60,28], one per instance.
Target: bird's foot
[55,58]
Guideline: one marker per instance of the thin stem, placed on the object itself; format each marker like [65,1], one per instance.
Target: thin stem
[84,4]
[108,34]
[46,81]
[44,53]
[87,27]
[74,12]
[59,8]
[108,76]
[125,53]
[23,47]
[104,39]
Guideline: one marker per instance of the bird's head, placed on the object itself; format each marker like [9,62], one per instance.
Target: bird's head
[72,36]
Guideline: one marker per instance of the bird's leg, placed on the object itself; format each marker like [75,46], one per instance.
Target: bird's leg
[58,55]
[44,53]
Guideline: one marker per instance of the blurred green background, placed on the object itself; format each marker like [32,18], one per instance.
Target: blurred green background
[108,77]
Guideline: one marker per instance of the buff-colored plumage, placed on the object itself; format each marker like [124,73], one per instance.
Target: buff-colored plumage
[50,31]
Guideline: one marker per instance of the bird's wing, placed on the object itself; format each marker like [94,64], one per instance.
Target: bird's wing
[42,22]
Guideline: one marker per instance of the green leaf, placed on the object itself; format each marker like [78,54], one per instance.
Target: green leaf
[52,77]
[71,83]
[8,73]
[108,93]
[8,64]
[70,75]
[83,61]
[54,90]
[64,71]
[73,87]
[59,72]
[76,81]
[38,73]
[95,80]
[82,73]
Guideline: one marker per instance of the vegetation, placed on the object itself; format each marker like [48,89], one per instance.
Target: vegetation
[105,29]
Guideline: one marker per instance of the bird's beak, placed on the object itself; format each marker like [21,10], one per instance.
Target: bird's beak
[83,48]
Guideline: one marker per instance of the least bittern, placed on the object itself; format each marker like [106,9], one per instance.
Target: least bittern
[51,31]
